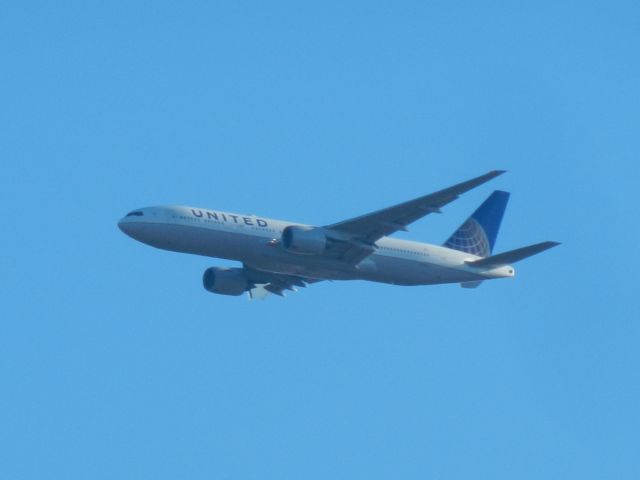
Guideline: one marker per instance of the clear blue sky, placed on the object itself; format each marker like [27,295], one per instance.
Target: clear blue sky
[115,363]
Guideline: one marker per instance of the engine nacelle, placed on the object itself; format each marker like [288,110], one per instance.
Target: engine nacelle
[304,240]
[225,281]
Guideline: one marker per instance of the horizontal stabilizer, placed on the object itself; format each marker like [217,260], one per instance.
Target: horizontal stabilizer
[512,256]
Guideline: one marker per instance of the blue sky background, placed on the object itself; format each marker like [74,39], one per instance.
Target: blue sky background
[115,363]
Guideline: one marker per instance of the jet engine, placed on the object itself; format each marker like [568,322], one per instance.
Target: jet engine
[304,240]
[225,281]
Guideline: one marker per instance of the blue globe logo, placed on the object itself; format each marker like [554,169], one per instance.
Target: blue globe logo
[470,238]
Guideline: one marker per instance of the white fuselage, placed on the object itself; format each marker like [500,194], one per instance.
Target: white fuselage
[254,241]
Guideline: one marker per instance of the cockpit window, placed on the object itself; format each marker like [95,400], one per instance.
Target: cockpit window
[135,214]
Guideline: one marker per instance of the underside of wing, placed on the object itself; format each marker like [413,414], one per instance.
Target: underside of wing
[275,283]
[355,238]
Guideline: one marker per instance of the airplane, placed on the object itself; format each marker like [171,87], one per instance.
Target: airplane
[278,256]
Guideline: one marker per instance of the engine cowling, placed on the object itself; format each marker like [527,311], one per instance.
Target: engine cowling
[225,281]
[304,240]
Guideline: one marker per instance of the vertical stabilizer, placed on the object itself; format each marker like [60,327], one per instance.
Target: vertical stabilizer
[478,234]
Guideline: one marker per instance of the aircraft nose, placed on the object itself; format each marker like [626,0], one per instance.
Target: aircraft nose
[130,224]
[122,226]
[127,226]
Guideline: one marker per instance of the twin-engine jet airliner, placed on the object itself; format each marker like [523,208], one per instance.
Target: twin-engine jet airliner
[278,255]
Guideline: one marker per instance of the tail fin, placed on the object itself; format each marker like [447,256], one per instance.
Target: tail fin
[478,234]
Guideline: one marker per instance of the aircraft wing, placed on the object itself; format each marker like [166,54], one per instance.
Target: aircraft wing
[357,236]
[276,283]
